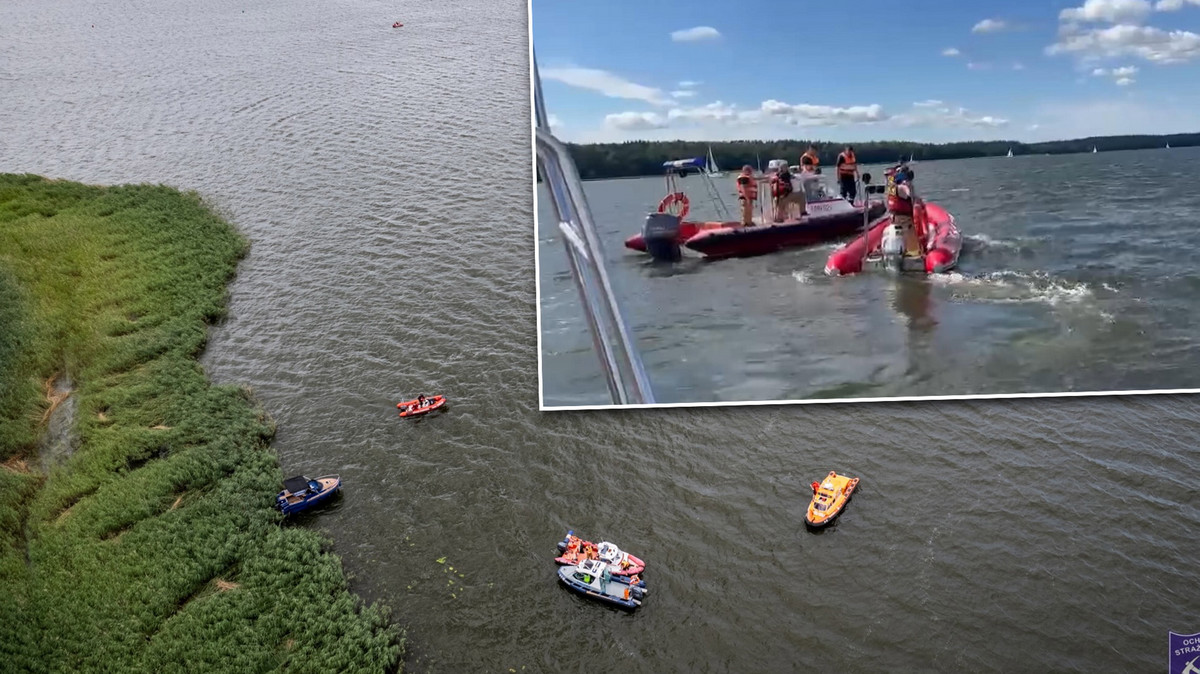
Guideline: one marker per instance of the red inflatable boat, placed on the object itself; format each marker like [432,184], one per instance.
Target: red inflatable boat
[412,408]
[666,232]
[827,219]
[575,550]
[942,244]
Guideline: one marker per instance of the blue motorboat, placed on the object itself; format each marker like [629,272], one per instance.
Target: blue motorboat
[592,578]
[301,493]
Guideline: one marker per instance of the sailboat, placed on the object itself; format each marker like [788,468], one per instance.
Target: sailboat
[1010,152]
[710,166]
[1093,149]
[1168,146]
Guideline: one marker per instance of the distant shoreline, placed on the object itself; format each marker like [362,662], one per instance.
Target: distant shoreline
[640,159]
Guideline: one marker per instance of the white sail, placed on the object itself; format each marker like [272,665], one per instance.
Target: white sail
[1010,152]
[711,168]
[1093,149]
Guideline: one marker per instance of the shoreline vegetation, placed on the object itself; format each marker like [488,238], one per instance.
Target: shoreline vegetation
[636,159]
[147,541]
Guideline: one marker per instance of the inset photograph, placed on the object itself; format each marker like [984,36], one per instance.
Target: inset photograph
[986,200]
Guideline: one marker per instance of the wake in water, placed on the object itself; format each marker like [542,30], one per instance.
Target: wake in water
[1006,286]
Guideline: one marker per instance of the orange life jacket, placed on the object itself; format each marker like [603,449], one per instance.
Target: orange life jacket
[781,186]
[848,164]
[897,204]
[747,187]
[814,162]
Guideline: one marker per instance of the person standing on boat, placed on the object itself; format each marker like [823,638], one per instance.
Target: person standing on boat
[809,161]
[747,188]
[847,171]
[905,209]
[785,195]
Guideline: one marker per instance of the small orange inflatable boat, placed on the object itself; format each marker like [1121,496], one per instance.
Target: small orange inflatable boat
[420,405]
[829,497]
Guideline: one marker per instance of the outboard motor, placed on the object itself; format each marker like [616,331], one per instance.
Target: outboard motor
[661,235]
[892,246]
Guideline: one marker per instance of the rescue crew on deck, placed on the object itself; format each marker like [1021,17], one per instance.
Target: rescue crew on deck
[906,210]
[847,171]
[809,161]
[784,195]
[747,188]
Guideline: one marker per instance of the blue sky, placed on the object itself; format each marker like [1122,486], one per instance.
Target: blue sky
[924,70]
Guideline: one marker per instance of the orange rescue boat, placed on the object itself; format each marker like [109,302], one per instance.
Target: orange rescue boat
[420,405]
[829,497]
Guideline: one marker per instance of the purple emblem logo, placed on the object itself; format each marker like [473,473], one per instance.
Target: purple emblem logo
[1185,653]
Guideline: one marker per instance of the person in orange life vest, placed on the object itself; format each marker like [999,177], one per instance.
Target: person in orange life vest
[809,161]
[847,171]
[906,210]
[784,195]
[747,187]
[815,486]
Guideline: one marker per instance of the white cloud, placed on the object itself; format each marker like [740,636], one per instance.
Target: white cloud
[978,66]
[950,51]
[695,34]
[944,116]
[604,82]
[931,103]
[555,122]
[1174,5]
[1122,76]
[1152,44]
[805,114]
[635,121]
[989,26]
[1018,66]
[1111,11]
[1034,127]
[689,84]
[716,112]
[683,93]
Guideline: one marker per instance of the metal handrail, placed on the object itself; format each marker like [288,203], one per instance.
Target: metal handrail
[611,337]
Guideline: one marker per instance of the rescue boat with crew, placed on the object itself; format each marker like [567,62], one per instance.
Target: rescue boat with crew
[573,549]
[939,241]
[594,579]
[419,406]
[829,498]
[666,232]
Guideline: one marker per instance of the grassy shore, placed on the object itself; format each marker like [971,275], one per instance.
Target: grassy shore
[153,545]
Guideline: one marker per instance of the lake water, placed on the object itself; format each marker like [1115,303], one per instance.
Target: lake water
[1076,274]
[1011,536]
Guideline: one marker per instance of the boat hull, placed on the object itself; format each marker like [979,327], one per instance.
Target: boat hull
[438,402]
[941,255]
[636,565]
[844,488]
[330,486]
[717,240]
[619,592]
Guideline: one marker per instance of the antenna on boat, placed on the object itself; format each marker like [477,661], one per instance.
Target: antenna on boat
[611,337]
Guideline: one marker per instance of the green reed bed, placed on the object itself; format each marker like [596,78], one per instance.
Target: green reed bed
[153,546]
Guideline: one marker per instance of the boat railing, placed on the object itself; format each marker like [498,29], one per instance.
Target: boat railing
[611,337]
[714,195]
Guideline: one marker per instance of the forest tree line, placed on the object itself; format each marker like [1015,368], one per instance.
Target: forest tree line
[642,158]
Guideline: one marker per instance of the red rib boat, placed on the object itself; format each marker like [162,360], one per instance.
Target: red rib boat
[666,231]
[880,246]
